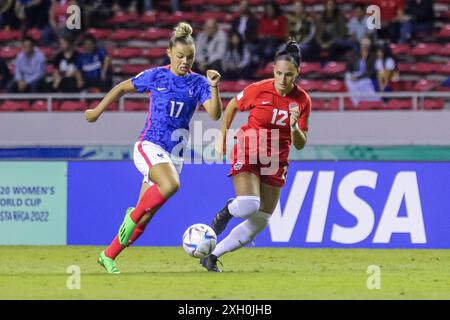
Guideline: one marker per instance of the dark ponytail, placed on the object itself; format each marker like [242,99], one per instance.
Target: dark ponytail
[290,52]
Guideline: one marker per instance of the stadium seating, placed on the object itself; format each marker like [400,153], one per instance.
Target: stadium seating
[14,105]
[333,86]
[399,104]
[425,85]
[135,105]
[9,52]
[433,104]
[39,105]
[72,106]
[10,35]
[333,69]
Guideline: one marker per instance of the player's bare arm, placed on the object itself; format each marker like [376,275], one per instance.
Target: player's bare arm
[113,95]
[230,112]
[213,106]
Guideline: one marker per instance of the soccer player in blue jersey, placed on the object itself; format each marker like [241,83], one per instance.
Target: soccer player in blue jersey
[175,94]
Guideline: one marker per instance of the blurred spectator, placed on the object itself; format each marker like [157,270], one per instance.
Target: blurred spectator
[236,62]
[58,18]
[357,26]
[386,68]
[246,23]
[8,19]
[35,14]
[391,13]
[302,28]
[211,47]
[30,69]
[361,73]
[272,31]
[94,64]
[5,75]
[418,17]
[66,77]
[332,31]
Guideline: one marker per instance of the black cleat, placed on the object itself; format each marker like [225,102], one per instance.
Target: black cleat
[221,219]
[210,263]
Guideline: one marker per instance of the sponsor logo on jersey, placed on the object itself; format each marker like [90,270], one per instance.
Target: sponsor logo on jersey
[240,95]
[161,89]
[238,166]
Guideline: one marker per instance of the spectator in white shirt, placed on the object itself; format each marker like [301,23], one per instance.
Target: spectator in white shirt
[212,45]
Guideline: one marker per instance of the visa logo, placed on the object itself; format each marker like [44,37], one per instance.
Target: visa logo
[404,188]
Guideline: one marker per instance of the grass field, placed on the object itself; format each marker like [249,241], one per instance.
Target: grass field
[251,273]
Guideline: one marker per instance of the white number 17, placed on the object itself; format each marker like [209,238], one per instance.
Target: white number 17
[172,108]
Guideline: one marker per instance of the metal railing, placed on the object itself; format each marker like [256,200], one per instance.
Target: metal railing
[417,98]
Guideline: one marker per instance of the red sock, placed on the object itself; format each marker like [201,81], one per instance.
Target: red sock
[138,231]
[152,198]
[114,249]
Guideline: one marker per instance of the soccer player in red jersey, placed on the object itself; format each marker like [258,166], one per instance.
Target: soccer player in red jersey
[278,116]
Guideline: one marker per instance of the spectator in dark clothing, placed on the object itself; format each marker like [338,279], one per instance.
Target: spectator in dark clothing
[236,62]
[8,19]
[418,17]
[361,74]
[67,77]
[35,14]
[386,68]
[30,69]
[391,14]
[332,31]
[5,75]
[94,64]
[246,23]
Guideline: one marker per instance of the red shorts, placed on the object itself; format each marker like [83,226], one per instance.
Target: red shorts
[278,179]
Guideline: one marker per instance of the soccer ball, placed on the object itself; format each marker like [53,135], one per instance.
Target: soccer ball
[199,240]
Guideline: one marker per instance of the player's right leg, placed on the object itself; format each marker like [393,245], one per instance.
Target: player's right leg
[246,186]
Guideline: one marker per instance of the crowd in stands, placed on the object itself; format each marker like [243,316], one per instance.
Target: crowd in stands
[254,34]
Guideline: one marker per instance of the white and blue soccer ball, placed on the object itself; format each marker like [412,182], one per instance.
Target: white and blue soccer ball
[199,240]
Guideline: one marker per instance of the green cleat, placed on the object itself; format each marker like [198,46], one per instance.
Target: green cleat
[108,263]
[127,228]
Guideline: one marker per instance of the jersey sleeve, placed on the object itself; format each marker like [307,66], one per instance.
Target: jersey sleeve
[205,91]
[245,98]
[303,120]
[144,81]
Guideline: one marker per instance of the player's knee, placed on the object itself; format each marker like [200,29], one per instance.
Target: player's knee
[244,206]
[169,187]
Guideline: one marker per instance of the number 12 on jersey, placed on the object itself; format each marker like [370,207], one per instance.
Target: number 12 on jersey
[179,106]
[283,115]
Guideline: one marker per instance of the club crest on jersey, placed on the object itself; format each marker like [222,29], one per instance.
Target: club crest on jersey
[293,105]
[238,166]
[191,93]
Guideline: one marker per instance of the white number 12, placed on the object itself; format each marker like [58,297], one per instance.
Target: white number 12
[283,113]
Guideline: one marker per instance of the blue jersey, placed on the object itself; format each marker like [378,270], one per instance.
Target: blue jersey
[173,102]
[91,64]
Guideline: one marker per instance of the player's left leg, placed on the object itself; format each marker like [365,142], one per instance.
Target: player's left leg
[246,232]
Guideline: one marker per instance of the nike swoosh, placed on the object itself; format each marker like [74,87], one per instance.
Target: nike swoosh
[161,89]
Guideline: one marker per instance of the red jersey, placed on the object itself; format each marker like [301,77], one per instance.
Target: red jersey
[269,112]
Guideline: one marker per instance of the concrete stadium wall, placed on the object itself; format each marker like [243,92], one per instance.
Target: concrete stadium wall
[114,128]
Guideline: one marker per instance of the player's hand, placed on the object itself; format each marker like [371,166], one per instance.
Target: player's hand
[295,115]
[91,115]
[213,77]
[220,148]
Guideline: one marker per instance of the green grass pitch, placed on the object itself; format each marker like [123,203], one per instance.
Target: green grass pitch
[250,273]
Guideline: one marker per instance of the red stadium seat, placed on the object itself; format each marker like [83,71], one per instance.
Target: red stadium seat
[334,104]
[425,68]
[126,53]
[370,105]
[425,49]
[153,34]
[333,86]
[318,105]
[39,105]
[100,34]
[218,15]
[224,3]
[193,3]
[405,67]
[9,52]
[48,52]
[399,104]
[400,49]
[267,71]
[14,105]
[149,18]
[133,69]
[10,35]
[425,85]
[444,33]
[35,34]
[121,18]
[333,69]
[112,107]
[445,51]
[433,104]
[178,16]
[310,85]
[308,68]
[73,106]
[154,53]
[228,86]
[242,84]
[445,68]
[135,105]
[125,34]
